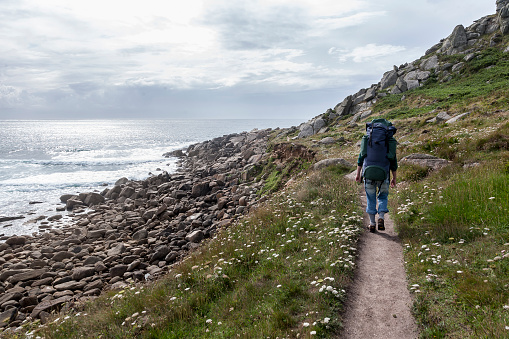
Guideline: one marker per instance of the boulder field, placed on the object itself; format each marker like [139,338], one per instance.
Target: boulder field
[130,232]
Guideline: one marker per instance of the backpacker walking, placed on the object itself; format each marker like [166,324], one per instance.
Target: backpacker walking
[377,161]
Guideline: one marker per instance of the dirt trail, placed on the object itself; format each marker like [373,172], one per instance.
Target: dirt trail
[379,301]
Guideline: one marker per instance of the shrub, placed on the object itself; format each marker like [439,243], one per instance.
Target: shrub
[444,148]
[496,141]
[411,172]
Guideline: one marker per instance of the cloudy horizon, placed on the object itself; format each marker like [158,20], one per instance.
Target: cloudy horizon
[208,58]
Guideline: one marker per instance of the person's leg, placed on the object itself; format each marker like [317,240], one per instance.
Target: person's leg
[370,189]
[383,198]
[372,219]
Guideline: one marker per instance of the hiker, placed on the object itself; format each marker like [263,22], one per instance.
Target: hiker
[376,162]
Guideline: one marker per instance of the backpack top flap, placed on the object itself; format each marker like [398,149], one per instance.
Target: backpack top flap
[382,123]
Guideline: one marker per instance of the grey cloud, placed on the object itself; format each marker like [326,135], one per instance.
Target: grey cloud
[65,76]
[145,102]
[242,29]
[84,88]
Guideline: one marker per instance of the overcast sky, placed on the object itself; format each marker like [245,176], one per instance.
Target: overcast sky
[208,58]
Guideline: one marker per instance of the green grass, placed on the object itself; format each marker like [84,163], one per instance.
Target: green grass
[411,172]
[483,82]
[455,227]
[282,272]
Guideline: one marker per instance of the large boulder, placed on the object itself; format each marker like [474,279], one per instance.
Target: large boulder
[73,202]
[318,125]
[127,192]
[434,48]
[7,316]
[160,253]
[116,250]
[140,235]
[10,296]
[306,130]
[424,160]
[28,275]
[456,118]
[441,117]
[70,285]
[456,42]
[503,15]
[328,141]
[121,181]
[82,272]
[15,240]
[370,94]
[49,305]
[118,271]
[344,107]
[195,236]
[200,189]
[389,79]
[65,197]
[412,84]
[114,192]
[401,85]
[93,199]
[417,75]
[62,255]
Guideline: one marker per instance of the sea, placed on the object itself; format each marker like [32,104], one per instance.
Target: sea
[42,160]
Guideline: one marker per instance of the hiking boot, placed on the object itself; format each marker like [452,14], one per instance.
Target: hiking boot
[381,226]
[372,228]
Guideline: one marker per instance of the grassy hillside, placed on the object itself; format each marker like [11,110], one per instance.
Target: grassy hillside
[453,222]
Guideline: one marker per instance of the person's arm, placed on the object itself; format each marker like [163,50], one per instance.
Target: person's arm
[358,175]
[360,159]
[394,168]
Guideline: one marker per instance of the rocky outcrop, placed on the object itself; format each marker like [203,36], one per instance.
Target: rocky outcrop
[315,126]
[132,231]
[441,117]
[456,43]
[467,41]
[456,118]
[503,15]
[424,160]
[332,162]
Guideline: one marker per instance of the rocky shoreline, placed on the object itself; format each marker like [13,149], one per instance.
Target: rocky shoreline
[131,232]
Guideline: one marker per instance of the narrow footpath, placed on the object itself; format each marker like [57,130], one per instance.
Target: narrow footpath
[379,301]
